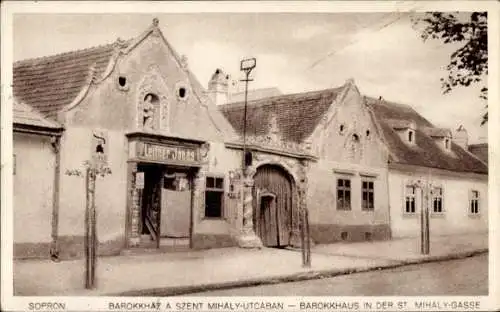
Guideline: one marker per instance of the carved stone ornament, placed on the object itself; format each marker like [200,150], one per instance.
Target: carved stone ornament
[266,141]
[184,62]
[119,44]
[290,165]
[152,102]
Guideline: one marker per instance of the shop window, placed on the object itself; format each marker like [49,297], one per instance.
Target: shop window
[368,195]
[343,194]
[437,200]
[214,196]
[176,182]
[474,203]
[410,199]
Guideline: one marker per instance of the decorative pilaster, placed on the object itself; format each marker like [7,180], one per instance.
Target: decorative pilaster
[198,191]
[248,238]
[134,237]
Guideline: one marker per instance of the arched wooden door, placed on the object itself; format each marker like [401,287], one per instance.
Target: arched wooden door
[273,205]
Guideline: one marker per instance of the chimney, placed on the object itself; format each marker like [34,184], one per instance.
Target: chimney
[218,87]
[461,137]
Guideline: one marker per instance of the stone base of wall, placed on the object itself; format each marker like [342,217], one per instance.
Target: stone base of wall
[70,247]
[332,233]
[206,241]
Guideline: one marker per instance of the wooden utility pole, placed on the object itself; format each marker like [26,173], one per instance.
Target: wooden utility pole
[424,218]
[307,243]
[90,229]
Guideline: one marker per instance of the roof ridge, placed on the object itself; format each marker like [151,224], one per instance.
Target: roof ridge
[61,54]
[264,101]
[258,89]
[478,144]
[384,100]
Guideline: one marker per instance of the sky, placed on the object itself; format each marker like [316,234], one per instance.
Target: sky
[295,52]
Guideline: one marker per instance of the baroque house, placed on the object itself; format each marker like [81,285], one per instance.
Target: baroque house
[176,152]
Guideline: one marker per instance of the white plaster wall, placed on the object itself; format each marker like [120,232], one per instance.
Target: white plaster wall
[456,218]
[220,161]
[322,194]
[33,188]
[110,198]
[75,150]
[111,195]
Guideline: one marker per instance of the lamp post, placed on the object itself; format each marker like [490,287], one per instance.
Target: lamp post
[247,238]
[246,65]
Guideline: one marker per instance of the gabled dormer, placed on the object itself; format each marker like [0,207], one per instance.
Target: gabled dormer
[405,129]
[441,136]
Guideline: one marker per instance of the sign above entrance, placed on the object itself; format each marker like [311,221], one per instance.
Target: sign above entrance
[167,153]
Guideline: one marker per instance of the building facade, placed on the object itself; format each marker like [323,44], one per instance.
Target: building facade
[175,152]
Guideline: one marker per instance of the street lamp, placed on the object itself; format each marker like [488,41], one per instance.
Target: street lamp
[247,239]
[246,65]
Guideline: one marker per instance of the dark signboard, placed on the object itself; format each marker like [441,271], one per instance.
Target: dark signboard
[167,153]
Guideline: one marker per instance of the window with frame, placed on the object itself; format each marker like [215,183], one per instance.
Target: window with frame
[214,197]
[367,195]
[437,200]
[343,194]
[474,203]
[410,192]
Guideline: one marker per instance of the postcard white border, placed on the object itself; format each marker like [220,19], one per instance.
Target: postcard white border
[100,303]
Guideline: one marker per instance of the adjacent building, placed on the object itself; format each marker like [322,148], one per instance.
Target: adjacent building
[175,152]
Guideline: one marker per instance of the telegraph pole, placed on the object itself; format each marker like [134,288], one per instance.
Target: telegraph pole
[90,229]
[425,201]
[98,165]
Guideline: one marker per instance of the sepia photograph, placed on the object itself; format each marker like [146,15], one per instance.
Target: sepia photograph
[250,154]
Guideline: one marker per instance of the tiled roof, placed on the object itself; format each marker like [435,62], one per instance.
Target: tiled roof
[400,124]
[25,115]
[297,115]
[255,94]
[436,132]
[425,152]
[480,150]
[50,83]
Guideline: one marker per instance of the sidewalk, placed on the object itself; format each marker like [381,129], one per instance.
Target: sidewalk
[187,272]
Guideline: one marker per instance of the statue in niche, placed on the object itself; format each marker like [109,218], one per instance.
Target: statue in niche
[148,111]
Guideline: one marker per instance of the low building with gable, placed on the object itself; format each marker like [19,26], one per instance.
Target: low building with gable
[439,159]
[176,151]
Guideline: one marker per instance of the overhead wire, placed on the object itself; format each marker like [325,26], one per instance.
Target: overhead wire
[376,28]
